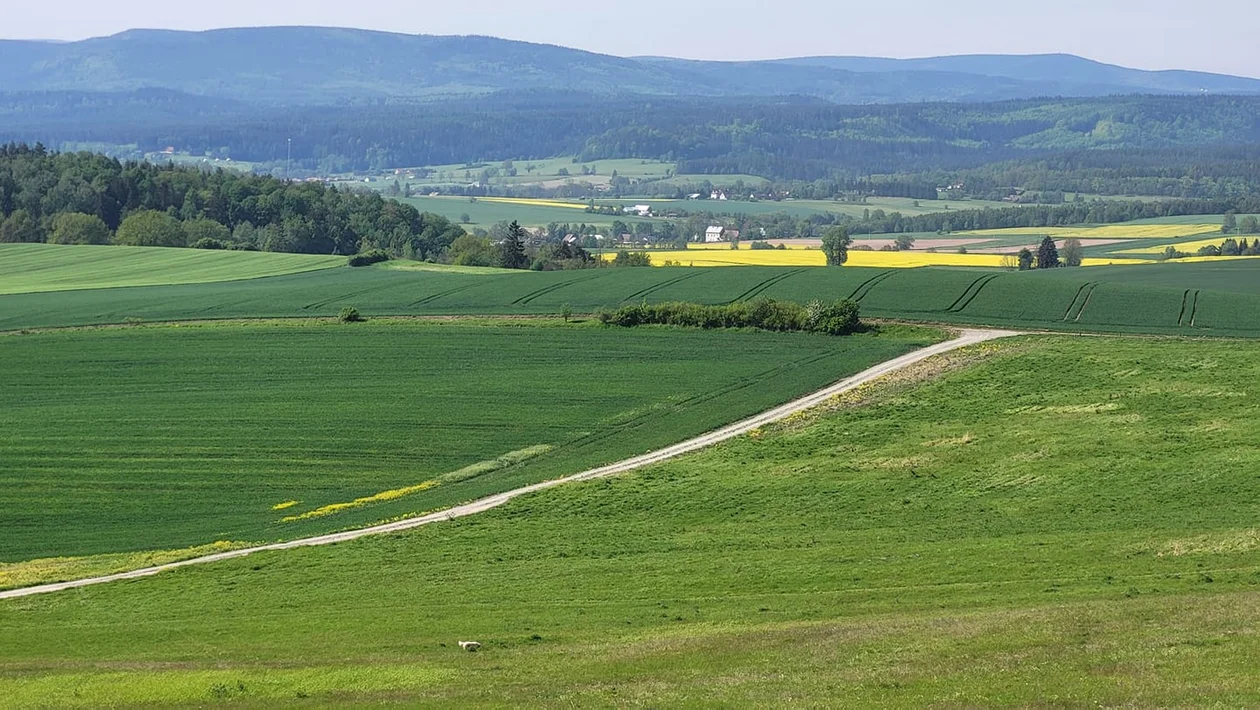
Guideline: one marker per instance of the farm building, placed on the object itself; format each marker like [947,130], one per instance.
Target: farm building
[713,235]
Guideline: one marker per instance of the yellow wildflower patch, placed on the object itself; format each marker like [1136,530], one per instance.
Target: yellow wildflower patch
[480,468]
[381,497]
[60,569]
[285,505]
[815,257]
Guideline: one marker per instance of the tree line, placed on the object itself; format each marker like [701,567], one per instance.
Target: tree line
[84,198]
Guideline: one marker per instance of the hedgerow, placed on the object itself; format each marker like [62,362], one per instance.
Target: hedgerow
[838,318]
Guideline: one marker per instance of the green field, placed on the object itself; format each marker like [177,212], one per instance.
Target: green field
[157,438]
[1048,521]
[47,267]
[483,213]
[1220,298]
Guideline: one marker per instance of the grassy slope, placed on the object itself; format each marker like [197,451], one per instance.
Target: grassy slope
[164,437]
[46,267]
[1071,522]
[1157,298]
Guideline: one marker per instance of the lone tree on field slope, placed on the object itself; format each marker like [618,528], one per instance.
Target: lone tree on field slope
[835,244]
[1047,254]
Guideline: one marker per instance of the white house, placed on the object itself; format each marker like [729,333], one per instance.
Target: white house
[714,235]
[641,210]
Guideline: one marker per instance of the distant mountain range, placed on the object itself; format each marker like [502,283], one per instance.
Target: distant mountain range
[306,65]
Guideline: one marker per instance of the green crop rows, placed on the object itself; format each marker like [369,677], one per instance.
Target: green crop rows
[1125,299]
[164,437]
[1066,521]
[43,267]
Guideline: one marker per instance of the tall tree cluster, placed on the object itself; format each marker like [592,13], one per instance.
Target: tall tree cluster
[82,198]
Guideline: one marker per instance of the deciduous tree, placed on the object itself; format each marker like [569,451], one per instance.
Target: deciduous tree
[835,244]
[78,228]
[1073,253]
[150,228]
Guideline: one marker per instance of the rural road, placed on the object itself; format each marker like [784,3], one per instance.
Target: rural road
[966,337]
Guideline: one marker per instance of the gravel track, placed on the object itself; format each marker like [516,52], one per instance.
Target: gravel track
[965,338]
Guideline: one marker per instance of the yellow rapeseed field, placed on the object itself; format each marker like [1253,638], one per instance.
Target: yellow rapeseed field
[1110,231]
[1187,247]
[815,257]
[533,203]
[1200,259]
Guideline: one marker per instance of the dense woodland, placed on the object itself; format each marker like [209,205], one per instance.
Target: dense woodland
[86,198]
[1177,146]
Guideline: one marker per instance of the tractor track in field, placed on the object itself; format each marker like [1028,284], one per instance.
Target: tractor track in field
[766,285]
[534,295]
[970,294]
[442,294]
[1082,296]
[965,338]
[644,293]
[864,289]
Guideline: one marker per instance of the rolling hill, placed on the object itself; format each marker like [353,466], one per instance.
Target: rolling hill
[291,65]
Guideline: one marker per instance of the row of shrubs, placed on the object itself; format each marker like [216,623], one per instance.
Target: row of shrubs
[368,258]
[838,318]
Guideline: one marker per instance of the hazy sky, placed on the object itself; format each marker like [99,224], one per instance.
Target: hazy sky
[1209,35]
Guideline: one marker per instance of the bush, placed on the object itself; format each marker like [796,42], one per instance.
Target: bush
[631,259]
[349,315]
[368,258]
[208,243]
[839,318]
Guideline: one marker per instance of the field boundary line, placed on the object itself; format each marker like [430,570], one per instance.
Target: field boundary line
[965,338]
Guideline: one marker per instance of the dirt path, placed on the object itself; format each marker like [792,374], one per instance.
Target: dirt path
[965,338]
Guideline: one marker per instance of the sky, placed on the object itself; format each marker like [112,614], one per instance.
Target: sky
[1207,35]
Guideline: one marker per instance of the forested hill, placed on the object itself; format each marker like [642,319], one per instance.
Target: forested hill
[789,138]
[293,65]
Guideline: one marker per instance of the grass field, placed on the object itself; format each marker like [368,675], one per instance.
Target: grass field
[48,267]
[162,438]
[484,213]
[1128,230]
[1212,298]
[1049,521]
[487,211]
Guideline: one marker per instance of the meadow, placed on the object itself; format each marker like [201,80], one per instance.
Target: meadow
[159,438]
[48,267]
[1218,297]
[1047,520]
[1128,230]
[484,212]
